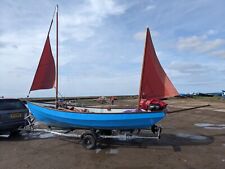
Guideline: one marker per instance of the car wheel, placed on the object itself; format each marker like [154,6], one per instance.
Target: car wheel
[14,132]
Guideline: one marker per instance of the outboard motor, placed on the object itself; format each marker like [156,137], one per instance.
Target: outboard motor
[152,104]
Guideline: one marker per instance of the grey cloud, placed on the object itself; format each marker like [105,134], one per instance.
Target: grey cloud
[220,53]
[20,70]
[2,44]
[6,44]
[188,67]
[202,44]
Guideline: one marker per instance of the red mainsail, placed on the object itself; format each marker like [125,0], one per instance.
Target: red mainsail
[154,81]
[45,74]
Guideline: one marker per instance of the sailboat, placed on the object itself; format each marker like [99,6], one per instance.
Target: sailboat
[154,84]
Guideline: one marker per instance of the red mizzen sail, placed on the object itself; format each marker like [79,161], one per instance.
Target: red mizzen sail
[45,74]
[154,81]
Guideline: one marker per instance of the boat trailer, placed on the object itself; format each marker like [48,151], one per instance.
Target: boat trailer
[91,137]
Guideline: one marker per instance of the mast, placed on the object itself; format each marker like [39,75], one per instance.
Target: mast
[57,55]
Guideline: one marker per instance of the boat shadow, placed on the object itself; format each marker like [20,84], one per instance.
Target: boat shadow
[176,141]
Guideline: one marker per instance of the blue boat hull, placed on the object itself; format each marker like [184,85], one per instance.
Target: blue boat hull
[65,119]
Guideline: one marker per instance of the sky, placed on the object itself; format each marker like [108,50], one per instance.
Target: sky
[101,44]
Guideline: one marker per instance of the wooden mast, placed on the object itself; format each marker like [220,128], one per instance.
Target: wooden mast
[57,52]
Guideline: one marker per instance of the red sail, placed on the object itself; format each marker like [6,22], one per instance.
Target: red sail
[45,74]
[154,81]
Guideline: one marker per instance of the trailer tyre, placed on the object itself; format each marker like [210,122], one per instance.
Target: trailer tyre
[88,141]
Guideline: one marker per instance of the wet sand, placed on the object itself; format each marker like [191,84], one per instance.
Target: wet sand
[192,138]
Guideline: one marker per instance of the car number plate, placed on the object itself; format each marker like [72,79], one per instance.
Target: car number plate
[15,115]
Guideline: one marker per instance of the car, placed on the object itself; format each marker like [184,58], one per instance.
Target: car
[12,115]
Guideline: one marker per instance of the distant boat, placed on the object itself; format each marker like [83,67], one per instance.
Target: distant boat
[154,84]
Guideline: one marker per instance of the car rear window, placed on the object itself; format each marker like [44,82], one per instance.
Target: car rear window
[10,104]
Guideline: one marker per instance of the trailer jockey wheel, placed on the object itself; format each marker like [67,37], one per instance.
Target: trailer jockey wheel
[88,141]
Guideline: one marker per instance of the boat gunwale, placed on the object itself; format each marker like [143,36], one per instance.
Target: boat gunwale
[67,111]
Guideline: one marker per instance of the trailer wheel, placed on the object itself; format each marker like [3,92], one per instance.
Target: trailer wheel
[154,129]
[88,141]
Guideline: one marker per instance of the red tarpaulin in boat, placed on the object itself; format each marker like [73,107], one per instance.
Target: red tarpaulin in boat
[154,81]
[45,74]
